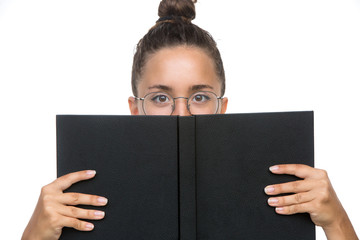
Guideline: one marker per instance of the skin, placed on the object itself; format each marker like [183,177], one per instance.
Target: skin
[56,209]
[181,71]
[314,195]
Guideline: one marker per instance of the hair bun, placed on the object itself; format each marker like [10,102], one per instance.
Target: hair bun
[179,8]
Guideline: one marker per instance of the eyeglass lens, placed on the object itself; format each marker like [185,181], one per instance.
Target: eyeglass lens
[160,103]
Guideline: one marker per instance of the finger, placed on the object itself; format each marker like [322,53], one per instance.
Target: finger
[293,209]
[80,198]
[291,199]
[290,187]
[76,223]
[67,180]
[74,212]
[299,170]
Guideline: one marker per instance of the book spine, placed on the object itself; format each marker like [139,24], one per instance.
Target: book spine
[187,178]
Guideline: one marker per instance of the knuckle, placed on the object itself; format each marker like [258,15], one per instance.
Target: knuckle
[298,198]
[323,173]
[294,209]
[54,221]
[49,211]
[324,196]
[46,199]
[75,198]
[45,189]
[94,200]
[64,179]
[281,201]
[76,224]
[74,212]
[324,183]
[295,168]
[90,214]
[286,210]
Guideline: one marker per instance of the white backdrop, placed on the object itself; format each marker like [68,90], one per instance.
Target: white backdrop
[74,57]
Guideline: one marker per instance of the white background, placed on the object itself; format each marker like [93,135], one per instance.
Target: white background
[74,57]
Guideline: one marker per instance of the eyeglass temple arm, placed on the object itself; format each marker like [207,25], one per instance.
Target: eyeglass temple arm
[138,98]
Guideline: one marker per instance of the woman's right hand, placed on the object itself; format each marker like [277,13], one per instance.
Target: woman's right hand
[55,209]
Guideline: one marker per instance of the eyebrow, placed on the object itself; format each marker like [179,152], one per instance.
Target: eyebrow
[192,88]
[200,87]
[162,87]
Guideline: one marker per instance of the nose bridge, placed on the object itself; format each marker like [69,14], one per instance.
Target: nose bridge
[181,107]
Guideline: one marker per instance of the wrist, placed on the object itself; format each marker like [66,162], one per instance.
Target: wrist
[340,229]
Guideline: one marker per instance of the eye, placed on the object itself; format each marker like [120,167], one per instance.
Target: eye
[160,98]
[200,98]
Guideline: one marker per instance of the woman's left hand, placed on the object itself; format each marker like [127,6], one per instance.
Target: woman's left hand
[313,194]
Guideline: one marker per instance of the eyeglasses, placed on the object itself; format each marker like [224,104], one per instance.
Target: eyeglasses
[161,103]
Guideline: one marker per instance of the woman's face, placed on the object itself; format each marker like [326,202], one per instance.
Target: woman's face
[179,72]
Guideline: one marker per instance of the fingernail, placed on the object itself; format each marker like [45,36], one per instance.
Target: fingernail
[269,189]
[99,214]
[89,226]
[279,209]
[102,200]
[91,172]
[274,168]
[273,200]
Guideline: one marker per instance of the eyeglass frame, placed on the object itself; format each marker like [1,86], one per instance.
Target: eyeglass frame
[173,100]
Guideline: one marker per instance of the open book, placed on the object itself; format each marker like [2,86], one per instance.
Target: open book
[190,178]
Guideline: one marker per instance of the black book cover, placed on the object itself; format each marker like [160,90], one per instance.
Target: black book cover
[198,177]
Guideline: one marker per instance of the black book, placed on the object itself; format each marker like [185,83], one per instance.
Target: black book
[189,178]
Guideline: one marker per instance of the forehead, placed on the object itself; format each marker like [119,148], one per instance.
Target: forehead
[179,68]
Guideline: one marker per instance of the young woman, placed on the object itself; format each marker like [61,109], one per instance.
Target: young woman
[177,70]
